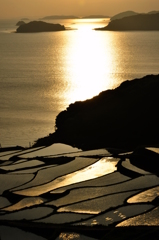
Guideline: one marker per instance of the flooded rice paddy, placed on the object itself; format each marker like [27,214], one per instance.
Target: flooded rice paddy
[62,185]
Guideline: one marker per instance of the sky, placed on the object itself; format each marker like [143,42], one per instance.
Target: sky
[41,8]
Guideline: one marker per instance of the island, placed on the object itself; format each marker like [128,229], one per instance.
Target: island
[139,22]
[95,16]
[59,17]
[125,117]
[39,26]
[123,14]
[25,19]
[153,12]
[20,23]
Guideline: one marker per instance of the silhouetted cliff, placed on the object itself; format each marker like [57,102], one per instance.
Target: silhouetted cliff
[125,117]
[39,26]
[140,22]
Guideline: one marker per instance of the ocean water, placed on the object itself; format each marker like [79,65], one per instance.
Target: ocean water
[42,73]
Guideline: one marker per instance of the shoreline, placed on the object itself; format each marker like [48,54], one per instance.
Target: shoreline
[123,118]
[52,189]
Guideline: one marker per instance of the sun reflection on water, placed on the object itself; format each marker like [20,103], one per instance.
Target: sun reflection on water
[90,64]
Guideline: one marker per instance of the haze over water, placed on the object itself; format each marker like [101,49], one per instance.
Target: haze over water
[42,73]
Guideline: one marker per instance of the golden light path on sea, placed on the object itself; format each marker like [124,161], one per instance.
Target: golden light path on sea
[90,63]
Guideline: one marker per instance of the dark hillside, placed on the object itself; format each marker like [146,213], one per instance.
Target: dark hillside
[125,117]
[139,22]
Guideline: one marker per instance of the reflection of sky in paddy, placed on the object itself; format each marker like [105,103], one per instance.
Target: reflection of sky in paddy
[10,180]
[100,168]
[156,150]
[97,205]
[127,164]
[106,180]
[26,164]
[54,149]
[98,152]
[146,196]
[8,153]
[82,188]
[26,202]
[61,218]
[4,202]
[49,174]
[28,214]
[147,219]
[8,156]
[83,193]
[118,214]
[92,200]
[32,170]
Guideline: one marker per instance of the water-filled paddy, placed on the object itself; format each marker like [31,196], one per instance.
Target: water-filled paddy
[76,188]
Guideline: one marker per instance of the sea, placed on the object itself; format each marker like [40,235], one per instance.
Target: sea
[42,73]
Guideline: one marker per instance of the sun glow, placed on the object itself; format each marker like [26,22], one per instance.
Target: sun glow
[90,63]
[82,3]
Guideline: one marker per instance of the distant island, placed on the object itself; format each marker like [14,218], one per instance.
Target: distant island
[139,22]
[128,14]
[72,17]
[124,118]
[25,19]
[20,23]
[153,12]
[39,26]
[123,14]
[95,16]
[59,17]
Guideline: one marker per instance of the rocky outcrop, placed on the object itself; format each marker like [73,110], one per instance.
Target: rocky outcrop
[39,26]
[140,22]
[125,117]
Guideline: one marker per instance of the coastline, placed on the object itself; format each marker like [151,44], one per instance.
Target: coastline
[122,118]
[55,190]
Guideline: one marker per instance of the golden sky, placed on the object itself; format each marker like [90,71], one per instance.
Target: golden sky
[41,8]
